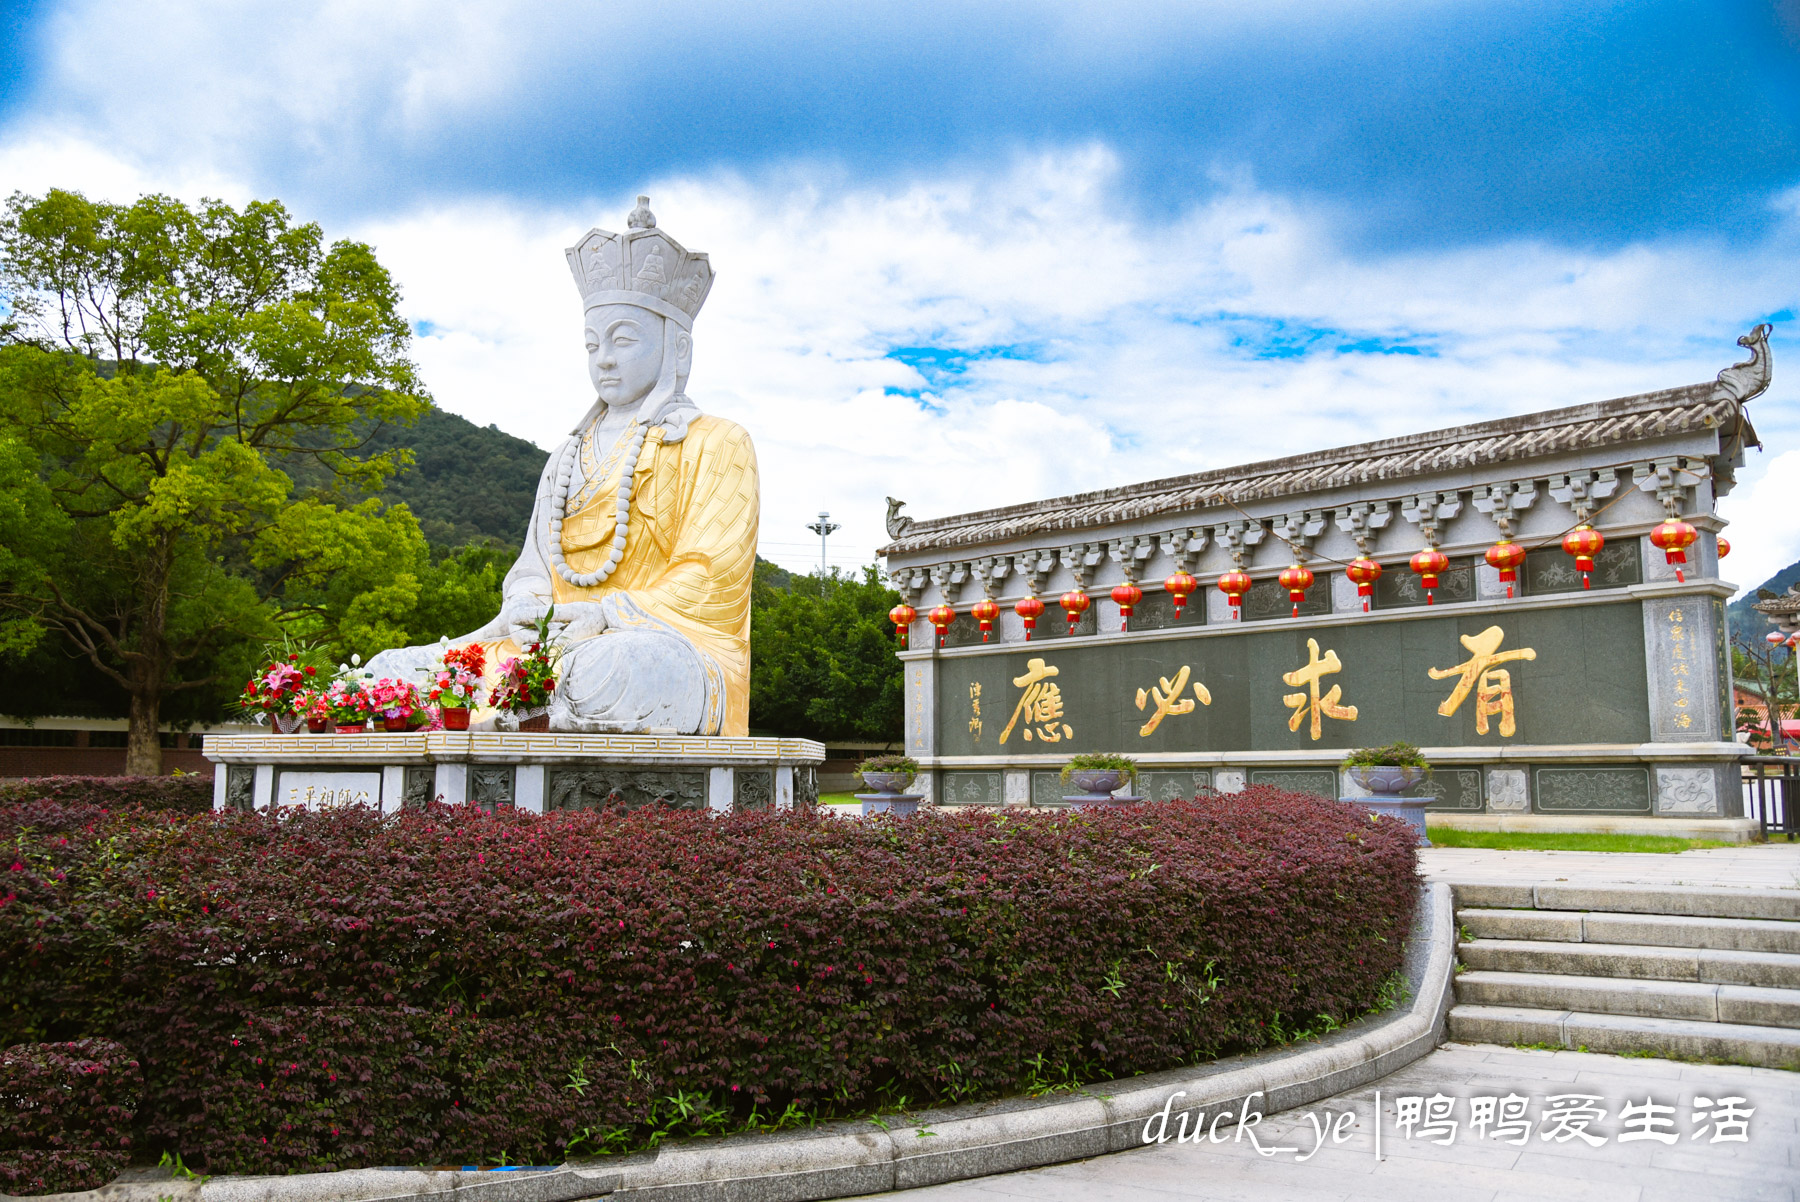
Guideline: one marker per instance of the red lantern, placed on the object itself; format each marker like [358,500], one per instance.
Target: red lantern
[984,612]
[1126,596]
[941,616]
[1363,572]
[1724,546]
[1178,587]
[1234,584]
[1584,542]
[1775,638]
[1429,564]
[1673,538]
[1506,555]
[1296,580]
[1075,603]
[902,616]
[1029,609]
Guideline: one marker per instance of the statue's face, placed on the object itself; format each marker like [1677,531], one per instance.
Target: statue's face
[625,352]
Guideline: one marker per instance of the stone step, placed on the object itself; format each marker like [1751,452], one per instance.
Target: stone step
[1642,930]
[1690,900]
[1774,970]
[1692,1000]
[1767,1047]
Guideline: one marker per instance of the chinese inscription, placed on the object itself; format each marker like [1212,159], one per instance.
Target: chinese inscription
[1678,667]
[1041,706]
[1166,696]
[975,710]
[1311,704]
[1482,673]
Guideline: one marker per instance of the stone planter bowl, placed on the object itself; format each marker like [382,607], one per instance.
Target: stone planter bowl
[1098,780]
[1384,780]
[887,782]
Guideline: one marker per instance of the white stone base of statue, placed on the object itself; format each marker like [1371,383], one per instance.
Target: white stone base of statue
[538,772]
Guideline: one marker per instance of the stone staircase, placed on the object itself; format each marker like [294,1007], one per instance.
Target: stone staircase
[1675,971]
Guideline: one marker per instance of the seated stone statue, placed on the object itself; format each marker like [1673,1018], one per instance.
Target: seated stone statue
[643,534]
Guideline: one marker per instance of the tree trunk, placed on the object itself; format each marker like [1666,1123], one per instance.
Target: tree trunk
[143,740]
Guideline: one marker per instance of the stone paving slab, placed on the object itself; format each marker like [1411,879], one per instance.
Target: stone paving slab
[1760,866]
[1767,1166]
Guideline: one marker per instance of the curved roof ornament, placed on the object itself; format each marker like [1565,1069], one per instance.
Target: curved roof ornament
[1742,381]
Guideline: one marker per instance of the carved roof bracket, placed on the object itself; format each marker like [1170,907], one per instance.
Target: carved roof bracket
[1298,530]
[1238,538]
[950,577]
[1427,509]
[1036,567]
[909,583]
[1081,559]
[1583,491]
[991,571]
[1133,553]
[1670,480]
[1183,547]
[1361,519]
[1505,503]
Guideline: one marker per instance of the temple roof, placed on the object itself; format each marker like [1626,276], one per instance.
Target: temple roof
[1785,605]
[1691,408]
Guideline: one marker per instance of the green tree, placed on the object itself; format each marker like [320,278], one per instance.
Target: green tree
[156,361]
[822,662]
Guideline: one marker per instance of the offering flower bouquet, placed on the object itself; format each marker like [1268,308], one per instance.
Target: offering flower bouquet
[397,702]
[346,704]
[526,681]
[456,687]
[275,692]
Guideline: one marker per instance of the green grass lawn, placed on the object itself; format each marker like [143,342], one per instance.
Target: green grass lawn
[838,799]
[1551,841]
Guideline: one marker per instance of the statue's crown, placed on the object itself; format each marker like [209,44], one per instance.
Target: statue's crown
[642,266]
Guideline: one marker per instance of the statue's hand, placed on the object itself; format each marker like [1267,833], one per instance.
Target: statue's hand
[577,621]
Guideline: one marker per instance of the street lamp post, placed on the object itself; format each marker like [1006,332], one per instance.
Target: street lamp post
[823,527]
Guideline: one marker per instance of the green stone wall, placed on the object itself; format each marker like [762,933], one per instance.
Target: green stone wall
[1585,684]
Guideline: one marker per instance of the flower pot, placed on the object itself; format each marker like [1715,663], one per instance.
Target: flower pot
[396,725]
[1386,780]
[355,728]
[899,807]
[456,719]
[287,724]
[1410,810]
[887,782]
[1097,780]
[317,725]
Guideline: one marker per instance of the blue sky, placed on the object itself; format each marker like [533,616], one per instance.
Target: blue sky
[956,240]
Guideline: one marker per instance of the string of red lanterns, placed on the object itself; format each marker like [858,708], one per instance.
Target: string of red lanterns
[1126,596]
[1296,579]
[985,612]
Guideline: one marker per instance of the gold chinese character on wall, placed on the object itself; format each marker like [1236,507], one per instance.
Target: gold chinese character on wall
[975,710]
[1310,703]
[1491,683]
[1166,695]
[1041,706]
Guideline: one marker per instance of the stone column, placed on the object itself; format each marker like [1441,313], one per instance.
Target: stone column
[720,784]
[921,706]
[452,783]
[1018,787]
[393,788]
[784,787]
[529,787]
[1682,652]
[265,785]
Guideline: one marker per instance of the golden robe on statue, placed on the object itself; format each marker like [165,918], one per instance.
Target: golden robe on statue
[642,542]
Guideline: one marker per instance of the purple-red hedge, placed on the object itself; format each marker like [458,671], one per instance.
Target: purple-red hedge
[66,1114]
[187,794]
[341,989]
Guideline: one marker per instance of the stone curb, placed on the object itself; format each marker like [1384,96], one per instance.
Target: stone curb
[952,1144]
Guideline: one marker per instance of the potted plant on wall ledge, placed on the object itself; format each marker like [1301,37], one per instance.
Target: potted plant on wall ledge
[528,680]
[888,776]
[1386,773]
[456,686]
[1098,776]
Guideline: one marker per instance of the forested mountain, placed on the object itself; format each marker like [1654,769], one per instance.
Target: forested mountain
[1746,622]
[466,482]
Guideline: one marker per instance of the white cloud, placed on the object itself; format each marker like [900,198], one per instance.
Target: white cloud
[1139,339]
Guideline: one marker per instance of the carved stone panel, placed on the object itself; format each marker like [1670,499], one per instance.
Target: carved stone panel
[1321,782]
[240,787]
[1167,785]
[491,785]
[1508,791]
[806,787]
[1229,780]
[1399,586]
[1267,599]
[624,788]
[1048,790]
[419,788]
[1157,612]
[973,789]
[755,789]
[1592,790]
[1687,791]
[1552,570]
[1446,789]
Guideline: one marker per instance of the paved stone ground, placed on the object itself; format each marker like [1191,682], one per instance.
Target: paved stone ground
[1470,1167]
[1774,865]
